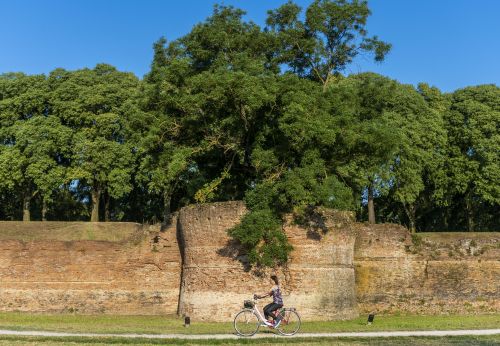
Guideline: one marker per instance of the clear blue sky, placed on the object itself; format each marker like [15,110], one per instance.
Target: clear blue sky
[446,43]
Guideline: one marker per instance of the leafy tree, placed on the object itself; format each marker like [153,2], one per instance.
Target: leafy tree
[419,160]
[220,85]
[206,95]
[322,45]
[290,158]
[34,143]
[43,144]
[473,147]
[369,138]
[232,110]
[164,155]
[93,104]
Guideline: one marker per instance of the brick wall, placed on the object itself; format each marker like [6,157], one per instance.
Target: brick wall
[126,268]
[139,274]
[426,274]
[319,280]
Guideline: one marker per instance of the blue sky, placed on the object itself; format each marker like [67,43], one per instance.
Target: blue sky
[446,43]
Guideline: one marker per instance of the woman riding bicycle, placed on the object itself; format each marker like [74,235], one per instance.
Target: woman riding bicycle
[277,303]
[248,321]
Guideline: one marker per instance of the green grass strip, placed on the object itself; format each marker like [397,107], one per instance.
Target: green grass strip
[113,324]
[392,341]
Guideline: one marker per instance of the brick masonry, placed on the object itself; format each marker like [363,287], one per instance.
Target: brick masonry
[319,280]
[138,275]
[430,274]
[192,267]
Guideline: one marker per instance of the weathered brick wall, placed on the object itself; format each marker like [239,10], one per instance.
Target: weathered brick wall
[319,280]
[433,273]
[126,268]
[139,274]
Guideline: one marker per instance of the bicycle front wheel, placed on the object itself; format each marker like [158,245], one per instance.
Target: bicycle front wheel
[290,322]
[246,323]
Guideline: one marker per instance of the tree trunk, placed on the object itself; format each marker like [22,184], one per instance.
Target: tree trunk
[411,212]
[167,212]
[371,206]
[470,212]
[44,209]
[107,213]
[445,221]
[96,197]
[243,115]
[26,206]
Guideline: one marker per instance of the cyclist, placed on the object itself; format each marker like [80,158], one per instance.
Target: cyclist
[277,303]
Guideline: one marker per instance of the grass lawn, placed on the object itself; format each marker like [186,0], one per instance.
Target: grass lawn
[172,325]
[70,231]
[422,341]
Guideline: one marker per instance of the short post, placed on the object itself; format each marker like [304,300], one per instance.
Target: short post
[187,321]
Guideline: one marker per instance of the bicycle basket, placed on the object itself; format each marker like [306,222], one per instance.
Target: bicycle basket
[249,304]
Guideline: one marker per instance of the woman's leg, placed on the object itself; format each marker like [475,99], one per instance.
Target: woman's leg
[270,308]
[267,310]
[277,307]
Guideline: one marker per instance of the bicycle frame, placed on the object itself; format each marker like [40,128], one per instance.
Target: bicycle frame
[281,323]
[256,310]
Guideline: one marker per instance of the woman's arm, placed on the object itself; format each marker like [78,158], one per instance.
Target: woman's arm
[256,296]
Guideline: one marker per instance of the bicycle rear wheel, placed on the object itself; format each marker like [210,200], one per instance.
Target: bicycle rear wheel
[290,322]
[246,323]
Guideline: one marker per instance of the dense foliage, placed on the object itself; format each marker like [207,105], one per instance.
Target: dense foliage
[236,111]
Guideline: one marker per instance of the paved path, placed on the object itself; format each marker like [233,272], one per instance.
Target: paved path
[263,335]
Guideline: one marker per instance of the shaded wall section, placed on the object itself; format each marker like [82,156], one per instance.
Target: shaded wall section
[319,280]
[428,273]
[119,268]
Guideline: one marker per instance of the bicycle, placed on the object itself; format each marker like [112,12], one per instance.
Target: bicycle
[248,321]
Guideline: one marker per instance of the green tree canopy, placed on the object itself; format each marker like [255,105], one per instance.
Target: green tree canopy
[369,137]
[327,40]
[93,103]
[34,144]
[420,157]
[474,147]
[232,110]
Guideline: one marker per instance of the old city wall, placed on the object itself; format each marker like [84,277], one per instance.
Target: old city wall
[337,269]
[319,280]
[119,268]
[426,273]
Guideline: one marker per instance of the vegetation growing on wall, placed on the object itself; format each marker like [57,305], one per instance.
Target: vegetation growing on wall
[232,111]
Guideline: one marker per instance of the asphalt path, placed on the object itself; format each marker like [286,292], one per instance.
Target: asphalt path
[262,335]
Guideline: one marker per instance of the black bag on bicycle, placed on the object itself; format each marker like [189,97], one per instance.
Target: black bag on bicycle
[248,304]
